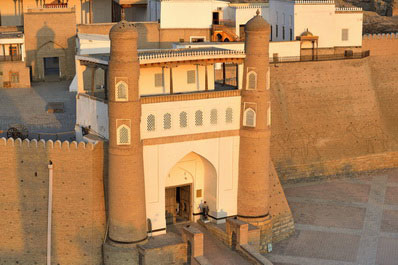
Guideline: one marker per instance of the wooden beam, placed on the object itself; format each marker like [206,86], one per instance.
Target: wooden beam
[171,81]
[206,79]
[223,74]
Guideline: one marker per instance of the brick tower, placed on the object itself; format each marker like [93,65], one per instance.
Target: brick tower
[255,131]
[127,213]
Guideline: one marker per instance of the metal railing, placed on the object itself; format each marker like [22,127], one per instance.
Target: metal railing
[321,57]
[4,58]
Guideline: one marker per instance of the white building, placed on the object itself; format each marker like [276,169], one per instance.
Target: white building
[334,27]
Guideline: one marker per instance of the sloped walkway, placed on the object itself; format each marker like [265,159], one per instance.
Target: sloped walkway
[351,221]
[214,250]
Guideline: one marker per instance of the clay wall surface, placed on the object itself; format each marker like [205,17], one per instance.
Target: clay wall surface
[50,34]
[150,36]
[7,68]
[78,202]
[336,117]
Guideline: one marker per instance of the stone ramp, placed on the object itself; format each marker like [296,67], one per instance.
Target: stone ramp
[214,250]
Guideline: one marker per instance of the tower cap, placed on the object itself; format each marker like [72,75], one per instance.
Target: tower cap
[124,27]
[257,23]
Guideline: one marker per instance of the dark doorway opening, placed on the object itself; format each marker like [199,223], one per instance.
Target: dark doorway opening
[51,67]
[178,204]
[216,18]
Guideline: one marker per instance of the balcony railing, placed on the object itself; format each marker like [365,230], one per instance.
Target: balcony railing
[55,5]
[322,57]
[5,58]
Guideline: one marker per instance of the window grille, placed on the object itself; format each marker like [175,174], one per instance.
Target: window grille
[344,34]
[183,119]
[250,118]
[213,116]
[198,118]
[252,83]
[159,80]
[167,121]
[191,77]
[121,91]
[123,136]
[228,115]
[150,123]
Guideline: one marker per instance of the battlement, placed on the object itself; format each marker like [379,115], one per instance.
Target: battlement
[381,36]
[348,9]
[314,2]
[66,145]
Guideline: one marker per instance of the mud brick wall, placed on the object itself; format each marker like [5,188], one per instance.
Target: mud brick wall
[78,202]
[327,114]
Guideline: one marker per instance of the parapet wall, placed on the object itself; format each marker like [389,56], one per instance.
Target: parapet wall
[78,202]
[381,44]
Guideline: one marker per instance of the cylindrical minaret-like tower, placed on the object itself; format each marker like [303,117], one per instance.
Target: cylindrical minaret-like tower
[127,213]
[255,131]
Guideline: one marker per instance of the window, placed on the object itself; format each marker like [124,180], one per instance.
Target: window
[251,80]
[269,116]
[291,34]
[228,115]
[13,50]
[14,77]
[121,91]
[344,34]
[283,32]
[191,77]
[183,120]
[271,34]
[167,121]
[198,39]
[276,31]
[249,118]
[150,123]
[213,116]
[159,80]
[198,118]
[123,135]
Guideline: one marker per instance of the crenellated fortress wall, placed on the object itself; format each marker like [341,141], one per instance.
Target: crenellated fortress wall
[336,117]
[78,202]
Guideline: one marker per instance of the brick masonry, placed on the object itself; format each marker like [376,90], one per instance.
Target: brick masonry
[78,202]
[7,68]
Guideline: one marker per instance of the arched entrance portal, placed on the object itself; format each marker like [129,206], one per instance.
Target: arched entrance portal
[190,182]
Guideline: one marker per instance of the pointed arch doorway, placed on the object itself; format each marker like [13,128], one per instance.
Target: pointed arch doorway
[190,182]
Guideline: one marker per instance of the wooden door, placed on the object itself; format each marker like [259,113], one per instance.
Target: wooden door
[170,205]
[185,202]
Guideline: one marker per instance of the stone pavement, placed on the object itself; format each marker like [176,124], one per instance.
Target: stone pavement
[352,221]
[27,106]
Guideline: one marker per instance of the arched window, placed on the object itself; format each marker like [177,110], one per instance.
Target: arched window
[198,118]
[249,118]
[150,123]
[183,120]
[252,80]
[269,116]
[167,121]
[123,135]
[121,91]
[228,115]
[213,116]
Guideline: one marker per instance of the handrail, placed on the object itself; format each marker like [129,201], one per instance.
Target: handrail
[55,5]
[186,53]
[322,57]
[4,58]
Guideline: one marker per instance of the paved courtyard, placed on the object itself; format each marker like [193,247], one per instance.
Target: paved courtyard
[28,106]
[351,221]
